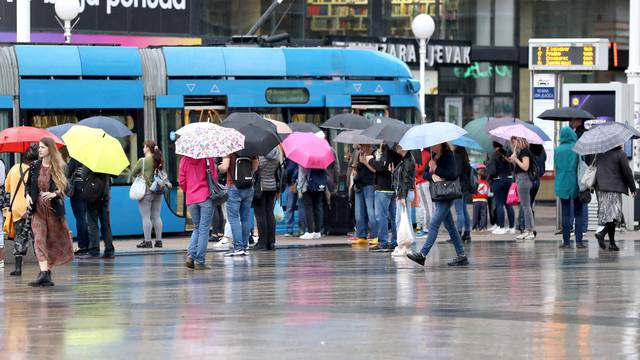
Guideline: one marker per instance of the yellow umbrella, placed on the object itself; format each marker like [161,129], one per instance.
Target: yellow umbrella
[95,149]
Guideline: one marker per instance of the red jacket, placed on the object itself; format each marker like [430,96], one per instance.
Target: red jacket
[421,167]
[193,178]
[482,194]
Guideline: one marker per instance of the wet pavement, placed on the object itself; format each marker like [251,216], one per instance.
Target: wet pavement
[516,300]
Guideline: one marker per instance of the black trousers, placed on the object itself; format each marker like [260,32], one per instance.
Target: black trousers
[313,212]
[99,211]
[263,209]
[217,223]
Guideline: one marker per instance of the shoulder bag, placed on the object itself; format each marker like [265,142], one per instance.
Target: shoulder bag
[445,190]
[8,226]
[588,180]
[217,192]
[139,186]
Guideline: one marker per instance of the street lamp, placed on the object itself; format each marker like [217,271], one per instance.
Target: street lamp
[423,27]
[66,11]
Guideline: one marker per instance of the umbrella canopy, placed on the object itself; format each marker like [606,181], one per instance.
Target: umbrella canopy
[18,139]
[389,131]
[208,142]
[96,149]
[467,142]
[566,113]
[518,130]
[260,135]
[195,126]
[304,127]
[347,121]
[497,122]
[281,127]
[110,125]
[476,131]
[604,137]
[427,135]
[355,137]
[60,130]
[308,150]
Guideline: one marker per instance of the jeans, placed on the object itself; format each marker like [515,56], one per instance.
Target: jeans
[313,210]
[79,208]
[365,211]
[385,207]
[263,209]
[533,193]
[99,211]
[410,197]
[201,215]
[239,215]
[524,193]
[443,215]
[425,211]
[500,191]
[569,217]
[480,215]
[463,221]
[292,200]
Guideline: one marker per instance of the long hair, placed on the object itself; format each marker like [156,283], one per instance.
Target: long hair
[31,154]
[57,164]
[158,161]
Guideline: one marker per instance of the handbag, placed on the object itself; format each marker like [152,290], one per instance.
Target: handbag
[585,196]
[512,195]
[139,186]
[7,212]
[160,181]
[588,180]
[445,190]
[217,192]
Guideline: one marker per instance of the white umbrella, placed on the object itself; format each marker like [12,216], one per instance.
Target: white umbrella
[430,134]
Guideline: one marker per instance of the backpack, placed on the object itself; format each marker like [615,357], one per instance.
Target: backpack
[93,187]
[243,172]
[317,180]
[473,181]
[534,169]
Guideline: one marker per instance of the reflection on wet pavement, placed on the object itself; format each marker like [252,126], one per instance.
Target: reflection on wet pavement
[516,300]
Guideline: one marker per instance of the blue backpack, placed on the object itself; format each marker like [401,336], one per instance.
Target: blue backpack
[317,180]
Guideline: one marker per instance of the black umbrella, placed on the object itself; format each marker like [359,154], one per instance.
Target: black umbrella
[566,113]
[260,135]
[304,127]
[389,131]
[347,121]
[110,125]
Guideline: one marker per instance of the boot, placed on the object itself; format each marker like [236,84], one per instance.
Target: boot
[18,270]
[43,280]
[466,236]
[158,244]
[144,245]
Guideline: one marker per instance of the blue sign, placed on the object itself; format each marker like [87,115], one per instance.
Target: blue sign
[544,93]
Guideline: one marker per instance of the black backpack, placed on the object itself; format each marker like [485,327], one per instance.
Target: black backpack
[243,173]
[93,187]
[534,170]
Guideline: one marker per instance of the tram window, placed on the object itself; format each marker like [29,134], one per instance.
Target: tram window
[170,120]
[408,115]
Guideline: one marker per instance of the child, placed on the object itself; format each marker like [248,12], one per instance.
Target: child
[480,200]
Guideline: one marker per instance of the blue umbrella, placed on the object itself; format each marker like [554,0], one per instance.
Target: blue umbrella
[469,143]
[498,122]
[60,130]
[430,134]
[110,125]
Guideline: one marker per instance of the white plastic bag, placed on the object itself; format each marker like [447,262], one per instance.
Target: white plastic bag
[278,212]
[138,189]
[406,237]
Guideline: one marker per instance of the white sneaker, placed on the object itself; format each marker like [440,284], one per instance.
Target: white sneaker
[493,228]
[512,230]
[522,236]
[317,235]
[499,231]
[224,243]
[530,236]
[306,236]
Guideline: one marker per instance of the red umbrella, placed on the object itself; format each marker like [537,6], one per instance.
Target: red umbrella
[18,139]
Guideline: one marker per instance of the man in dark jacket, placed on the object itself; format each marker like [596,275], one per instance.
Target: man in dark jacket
[383,162]
[98,211]
[404,179]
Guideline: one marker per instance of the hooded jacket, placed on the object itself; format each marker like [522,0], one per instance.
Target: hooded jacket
[566,163]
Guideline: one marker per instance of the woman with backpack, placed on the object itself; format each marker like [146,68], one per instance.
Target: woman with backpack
[46,185]
[151,203]
[265,191]
[312,184]
[16,186]
[524,166]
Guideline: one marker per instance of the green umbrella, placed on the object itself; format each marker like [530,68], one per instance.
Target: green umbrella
[476,130]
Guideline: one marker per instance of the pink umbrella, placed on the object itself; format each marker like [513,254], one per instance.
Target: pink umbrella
[518,130]
[308,150]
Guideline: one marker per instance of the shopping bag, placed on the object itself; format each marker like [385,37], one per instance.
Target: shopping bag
[405,231]
[7,226]
[138,189]
[512,196]
[278,213]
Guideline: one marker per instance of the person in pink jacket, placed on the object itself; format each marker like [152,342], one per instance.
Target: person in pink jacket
[193,181]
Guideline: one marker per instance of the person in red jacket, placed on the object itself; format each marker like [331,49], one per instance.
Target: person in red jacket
[480,201]
[425,209]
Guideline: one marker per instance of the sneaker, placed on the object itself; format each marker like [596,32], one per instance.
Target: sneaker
[79,252]
[493,228]
[499,231]
[379,249]
[317,235]
[614,247]
[224,243]
[189,263]
[306,236]
[288,235]
[529,235]
[564,246]
[422,234]
[198,266]
[459,261]
[521,236]
[400,251]
[512,230]
[361,241]
[417,257]
[581,246]
[239,252]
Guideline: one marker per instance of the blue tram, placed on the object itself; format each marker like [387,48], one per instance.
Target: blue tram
[155,91]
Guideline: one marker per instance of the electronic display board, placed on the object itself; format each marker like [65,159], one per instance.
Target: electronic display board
[568,54]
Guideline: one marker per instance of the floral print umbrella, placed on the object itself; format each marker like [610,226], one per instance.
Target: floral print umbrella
[209,142]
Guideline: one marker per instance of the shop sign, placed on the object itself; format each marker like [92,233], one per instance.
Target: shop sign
[474,71]
[143,4]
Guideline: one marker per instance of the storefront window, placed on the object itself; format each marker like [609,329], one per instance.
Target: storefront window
[503,107]
[504,23]
[338,17]
[472,79]
[503,75]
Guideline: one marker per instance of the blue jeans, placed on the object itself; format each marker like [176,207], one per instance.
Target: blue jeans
[410,197]
[385,207]
[463,221]
[442,214]
[365,211]
[500,191]
[79,208]
[568,218]
[201,215]
[289,218]
[239,215]
[480,215]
